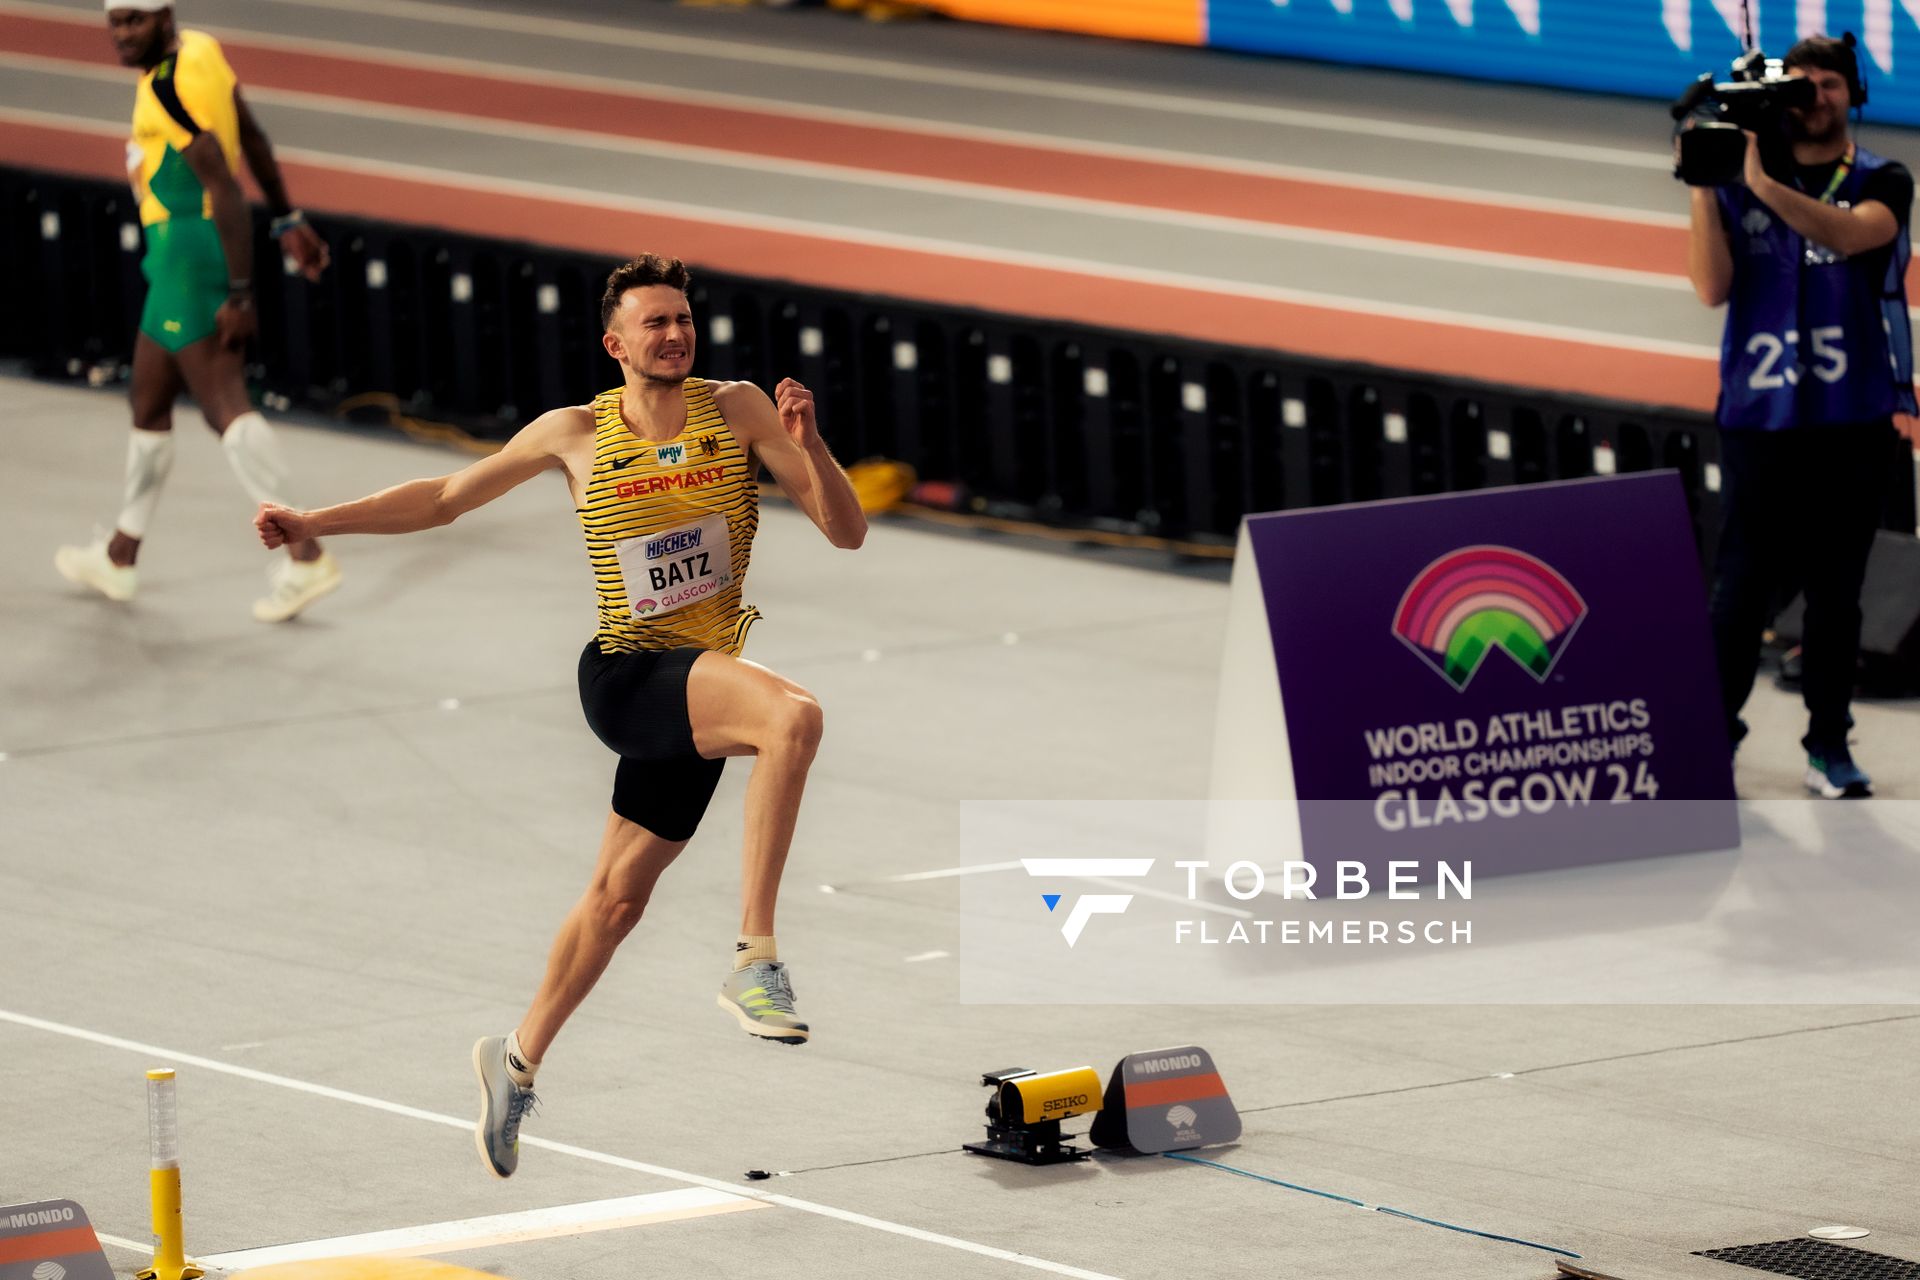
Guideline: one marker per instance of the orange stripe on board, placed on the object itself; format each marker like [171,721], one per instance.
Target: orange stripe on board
[49,1244]
[1179,21]
[1323,206]
[1158,1093]
[1088,298]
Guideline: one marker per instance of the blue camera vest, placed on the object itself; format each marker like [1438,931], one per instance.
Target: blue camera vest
[1813,337]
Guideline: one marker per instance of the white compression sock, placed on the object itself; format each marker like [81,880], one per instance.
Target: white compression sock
[149,459]
[255,457]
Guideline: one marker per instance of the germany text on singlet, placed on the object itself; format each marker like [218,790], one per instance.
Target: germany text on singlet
[669,528]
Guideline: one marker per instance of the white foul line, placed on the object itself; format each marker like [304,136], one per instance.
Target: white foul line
[499,1228]
[560,1148]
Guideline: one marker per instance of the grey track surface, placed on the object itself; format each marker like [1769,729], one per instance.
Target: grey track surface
[1230,257]
[280,848]
[1503,141]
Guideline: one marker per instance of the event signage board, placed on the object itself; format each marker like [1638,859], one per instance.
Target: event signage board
[1520,678]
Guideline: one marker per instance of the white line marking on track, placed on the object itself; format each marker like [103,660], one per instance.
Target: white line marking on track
[1078,867]
[494,185]
[932,128]
[121,1242]
[926,955]
[945,873]
[500,1228]
[918,73]
[151,1051]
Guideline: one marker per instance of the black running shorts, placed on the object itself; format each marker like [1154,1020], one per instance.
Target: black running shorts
[636,703]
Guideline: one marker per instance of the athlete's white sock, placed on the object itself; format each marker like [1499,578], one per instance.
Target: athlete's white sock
[520,1068]
[752,947]
[149,460]
[255,457]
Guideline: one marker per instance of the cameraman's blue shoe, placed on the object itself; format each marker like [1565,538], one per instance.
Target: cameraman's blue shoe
[1832,773]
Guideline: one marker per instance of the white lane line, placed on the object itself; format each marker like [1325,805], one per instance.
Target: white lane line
[561,1148]
[121,1242]
[494,185]
[986,81]
[930,128]
[1079,867]
[499,1228]
[853,174]
[911,877]
[926,955]
[945,873]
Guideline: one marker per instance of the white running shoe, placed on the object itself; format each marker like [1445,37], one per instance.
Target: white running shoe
[89,566]
[760,997]
[297,584]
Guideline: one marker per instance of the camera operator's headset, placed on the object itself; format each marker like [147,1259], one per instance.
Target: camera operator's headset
[1856,83]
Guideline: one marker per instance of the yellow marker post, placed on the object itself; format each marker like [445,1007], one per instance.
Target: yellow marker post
[163,1141]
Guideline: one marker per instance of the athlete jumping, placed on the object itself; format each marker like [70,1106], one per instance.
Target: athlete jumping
[661,470]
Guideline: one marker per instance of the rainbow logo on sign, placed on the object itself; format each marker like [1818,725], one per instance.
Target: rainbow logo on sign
[1477,599]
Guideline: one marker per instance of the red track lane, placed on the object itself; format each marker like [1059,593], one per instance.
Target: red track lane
[1197,314]
[1461,224]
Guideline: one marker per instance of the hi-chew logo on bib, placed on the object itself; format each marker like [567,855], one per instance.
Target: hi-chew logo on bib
[676,567]
[1474,600]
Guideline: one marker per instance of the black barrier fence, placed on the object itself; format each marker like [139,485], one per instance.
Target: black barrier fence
[1064,424]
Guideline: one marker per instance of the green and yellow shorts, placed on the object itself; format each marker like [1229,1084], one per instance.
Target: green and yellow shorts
[186,271]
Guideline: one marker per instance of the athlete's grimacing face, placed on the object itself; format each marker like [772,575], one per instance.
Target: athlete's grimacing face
[652,333]
[138,37]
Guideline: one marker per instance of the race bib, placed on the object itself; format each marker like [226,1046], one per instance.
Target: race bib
[683,566]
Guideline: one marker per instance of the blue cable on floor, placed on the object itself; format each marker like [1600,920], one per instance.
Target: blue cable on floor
[1398,1213]
[1261,1177]
[1435,1222]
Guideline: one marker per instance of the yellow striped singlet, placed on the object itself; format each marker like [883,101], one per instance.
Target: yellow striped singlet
[670,528]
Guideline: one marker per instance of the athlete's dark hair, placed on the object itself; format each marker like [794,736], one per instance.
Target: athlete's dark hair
[648,268]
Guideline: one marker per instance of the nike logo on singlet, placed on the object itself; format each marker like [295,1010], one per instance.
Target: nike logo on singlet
[619,464]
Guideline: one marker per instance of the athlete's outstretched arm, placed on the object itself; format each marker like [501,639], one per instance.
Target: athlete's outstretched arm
[298,239]
[786,438]
[429,503]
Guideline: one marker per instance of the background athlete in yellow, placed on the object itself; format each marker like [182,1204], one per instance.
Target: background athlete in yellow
[191,128]
[661,471]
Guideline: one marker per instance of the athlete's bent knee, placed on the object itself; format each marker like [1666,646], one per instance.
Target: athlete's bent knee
[797,726]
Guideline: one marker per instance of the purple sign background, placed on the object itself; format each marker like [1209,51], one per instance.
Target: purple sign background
[1663,782]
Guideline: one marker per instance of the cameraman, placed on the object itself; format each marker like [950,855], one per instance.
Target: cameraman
[1815,360]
